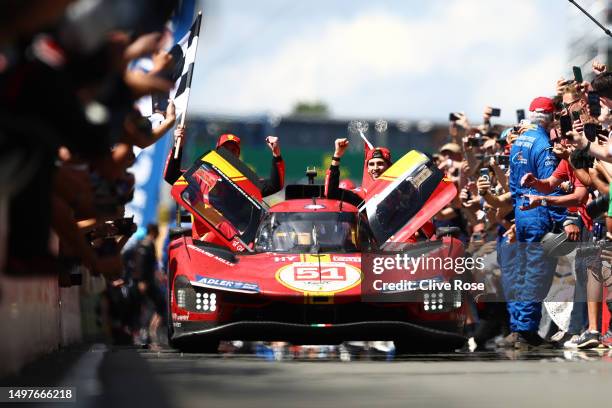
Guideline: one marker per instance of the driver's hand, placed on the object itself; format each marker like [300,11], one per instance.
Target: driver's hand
[340,146]
[274,145]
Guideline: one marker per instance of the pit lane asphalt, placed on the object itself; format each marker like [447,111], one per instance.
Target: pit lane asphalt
[138,378]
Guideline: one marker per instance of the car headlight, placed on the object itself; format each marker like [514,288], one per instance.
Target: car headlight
[195,299]
[181,298]
[205,301]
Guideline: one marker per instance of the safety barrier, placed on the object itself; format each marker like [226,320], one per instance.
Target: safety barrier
[36,317]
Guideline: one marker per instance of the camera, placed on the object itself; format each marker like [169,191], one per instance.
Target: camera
[565,122]
[577,74]
[590,131]
[124,226]
[476,141]
[502,160]
[112,229]
[520,115]
[495,112]
[108,247]
[594,106]
[484,172]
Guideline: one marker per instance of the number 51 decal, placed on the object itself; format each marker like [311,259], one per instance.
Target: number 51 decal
[311,273]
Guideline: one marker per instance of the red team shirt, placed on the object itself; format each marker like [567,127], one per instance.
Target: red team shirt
[565,172]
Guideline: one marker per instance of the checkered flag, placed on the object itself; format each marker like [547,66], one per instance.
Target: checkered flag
[189,46]
[184,55]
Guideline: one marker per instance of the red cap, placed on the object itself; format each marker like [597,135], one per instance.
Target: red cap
[379,153]
[228,137]
[542,104]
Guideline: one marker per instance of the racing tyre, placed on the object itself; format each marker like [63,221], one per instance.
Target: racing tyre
[203,347]
[171,342]
[407,347]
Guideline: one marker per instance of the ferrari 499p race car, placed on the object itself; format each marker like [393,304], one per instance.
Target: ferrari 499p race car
[294,272]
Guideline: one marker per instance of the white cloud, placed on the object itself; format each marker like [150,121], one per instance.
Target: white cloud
[468,52]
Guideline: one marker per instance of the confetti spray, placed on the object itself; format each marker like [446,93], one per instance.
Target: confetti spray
[360,127]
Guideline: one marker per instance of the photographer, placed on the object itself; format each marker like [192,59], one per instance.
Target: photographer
[602,86]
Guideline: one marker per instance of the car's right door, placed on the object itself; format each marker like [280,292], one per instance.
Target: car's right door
[405,197]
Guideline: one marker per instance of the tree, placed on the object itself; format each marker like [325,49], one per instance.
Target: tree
[316,108]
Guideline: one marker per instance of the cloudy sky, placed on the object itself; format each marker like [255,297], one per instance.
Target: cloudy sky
[400,59]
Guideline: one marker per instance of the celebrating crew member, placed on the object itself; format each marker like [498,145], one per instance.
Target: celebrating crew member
[377,161]
[231,143]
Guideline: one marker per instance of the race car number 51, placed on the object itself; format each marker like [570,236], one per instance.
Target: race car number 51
[309,273]
[328,277]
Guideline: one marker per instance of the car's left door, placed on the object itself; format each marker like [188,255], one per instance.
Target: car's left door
[223,194]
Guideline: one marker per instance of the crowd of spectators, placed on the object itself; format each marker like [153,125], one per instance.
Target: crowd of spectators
[68,128]
[529,195]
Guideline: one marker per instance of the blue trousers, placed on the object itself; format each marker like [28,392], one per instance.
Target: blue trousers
[528,277]
[506,258]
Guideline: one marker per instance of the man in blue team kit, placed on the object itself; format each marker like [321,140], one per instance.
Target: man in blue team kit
[532,275]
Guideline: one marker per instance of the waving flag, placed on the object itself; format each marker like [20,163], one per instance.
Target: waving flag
[150,161]
[184,55]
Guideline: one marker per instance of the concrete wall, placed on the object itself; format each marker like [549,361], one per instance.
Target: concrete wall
[36,317]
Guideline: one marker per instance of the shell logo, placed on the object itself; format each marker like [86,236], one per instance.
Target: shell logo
[331,277]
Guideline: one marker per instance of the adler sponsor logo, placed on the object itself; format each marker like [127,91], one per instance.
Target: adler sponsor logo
[208,254]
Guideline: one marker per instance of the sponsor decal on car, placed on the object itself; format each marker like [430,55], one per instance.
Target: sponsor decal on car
[289,258]
[208,254]
[340,258]
[325,277]
[228,285]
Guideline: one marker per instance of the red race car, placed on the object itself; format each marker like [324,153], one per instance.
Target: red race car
[294,271]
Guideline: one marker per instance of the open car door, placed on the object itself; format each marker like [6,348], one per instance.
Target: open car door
[405,197]
[222,193]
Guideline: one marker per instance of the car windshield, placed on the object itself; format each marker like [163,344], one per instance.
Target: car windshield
[310,232]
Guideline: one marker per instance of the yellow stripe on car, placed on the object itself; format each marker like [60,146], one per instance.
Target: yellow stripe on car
[409,160]
[226,168]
